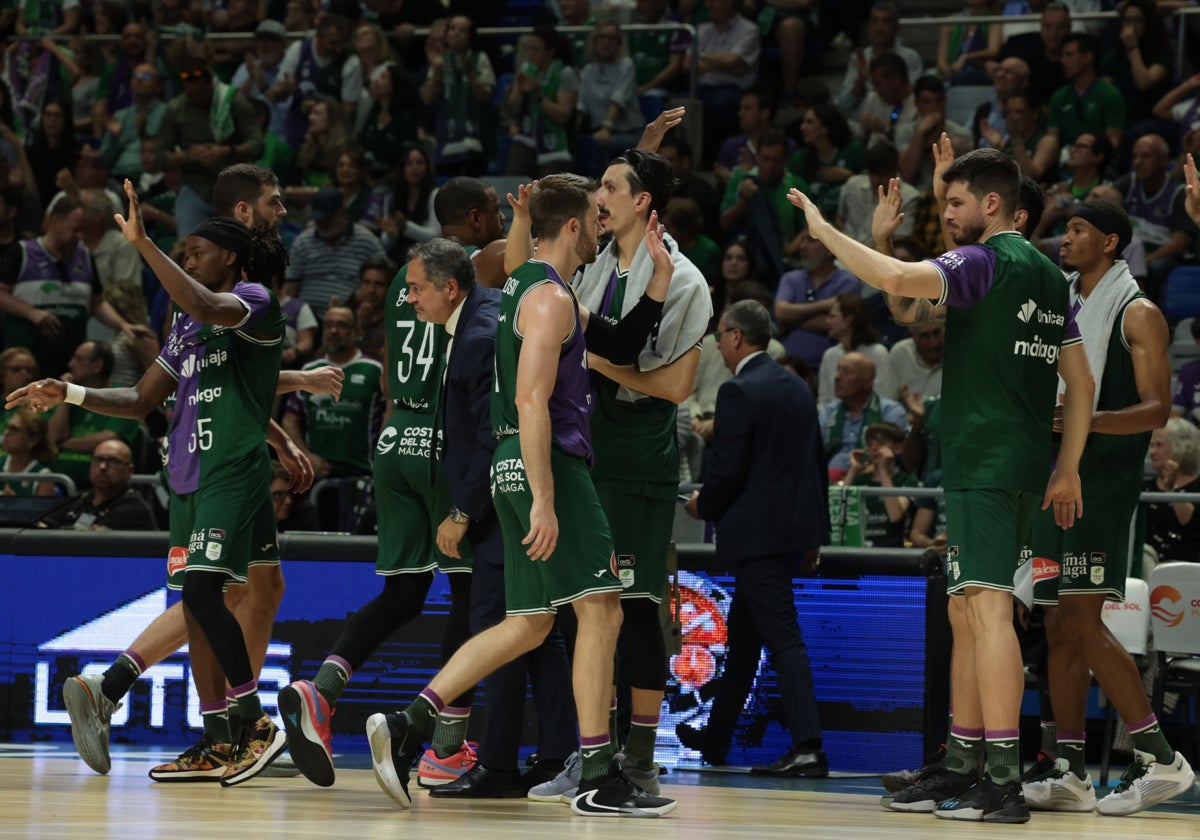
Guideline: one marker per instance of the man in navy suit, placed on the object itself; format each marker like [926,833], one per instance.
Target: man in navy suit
[442,289]
[766,491]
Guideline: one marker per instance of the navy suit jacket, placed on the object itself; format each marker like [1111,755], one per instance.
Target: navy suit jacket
[467,406]
[766,485]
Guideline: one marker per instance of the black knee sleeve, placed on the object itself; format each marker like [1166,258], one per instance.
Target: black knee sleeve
[402,599]
[204,599]
[643,644]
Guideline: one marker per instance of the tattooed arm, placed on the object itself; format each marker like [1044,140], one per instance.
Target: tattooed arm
[908,311]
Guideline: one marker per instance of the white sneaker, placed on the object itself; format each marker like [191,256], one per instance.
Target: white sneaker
[564,786]
[1060,790]
[1146,783]
[90,712]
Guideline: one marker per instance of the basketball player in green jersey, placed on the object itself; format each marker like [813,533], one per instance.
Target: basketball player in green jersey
[221,360]
[1075,572]
[556,543]
[633,428]
[413,501]
[251,195]
[1009,330]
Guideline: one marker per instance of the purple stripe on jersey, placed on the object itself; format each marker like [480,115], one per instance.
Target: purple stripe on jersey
[1071,328]
[969,272]
[257,300]
[571,401]
[183,355]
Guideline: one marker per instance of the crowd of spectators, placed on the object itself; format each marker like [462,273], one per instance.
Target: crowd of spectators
[363,108]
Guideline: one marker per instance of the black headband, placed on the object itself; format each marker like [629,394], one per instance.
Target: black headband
[1107,223]
[229,234]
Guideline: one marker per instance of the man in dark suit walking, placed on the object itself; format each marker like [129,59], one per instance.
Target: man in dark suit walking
[766,492]
[442,289]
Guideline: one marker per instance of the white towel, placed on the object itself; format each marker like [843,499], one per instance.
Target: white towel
[686,311]
[1098,315]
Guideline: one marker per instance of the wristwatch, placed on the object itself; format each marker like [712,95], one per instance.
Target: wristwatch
[458,517]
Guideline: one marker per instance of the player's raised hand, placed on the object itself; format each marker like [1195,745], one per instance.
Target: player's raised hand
[543,531]
[657,128]
[1064,492]
[659,254]
[40,396]
[132,227]
[1192,202]
[520,202]
[943,156]
[887,212]
[818,226]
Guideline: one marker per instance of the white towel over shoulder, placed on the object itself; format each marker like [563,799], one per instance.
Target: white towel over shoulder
[1098,316]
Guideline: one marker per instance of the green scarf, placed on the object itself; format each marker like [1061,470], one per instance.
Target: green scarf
[220,117]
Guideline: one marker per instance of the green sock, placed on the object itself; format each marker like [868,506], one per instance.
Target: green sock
[1071,749]
[597,757]
[949,728]
[331,679]
[450,730]
[1003,755]
[1050,740]
[422,715]
[250,707]
[235,713]
[216,722]
[1148,738]
[643,732]
[964,748]
[612,721]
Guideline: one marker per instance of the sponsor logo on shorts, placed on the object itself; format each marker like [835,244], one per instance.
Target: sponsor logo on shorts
[625,569]
[952,568]
[216,534]
[1097,575]
[416,441]
[508,476]
[1045,569]
[1167,605]
[176,559]
[1080,566]
[213,551]
[1098,558]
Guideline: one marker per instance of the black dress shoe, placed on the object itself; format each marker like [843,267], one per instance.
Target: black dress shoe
[807,762]
[697,739]
[481,783]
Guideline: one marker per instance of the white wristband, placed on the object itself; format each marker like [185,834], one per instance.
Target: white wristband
[75,394]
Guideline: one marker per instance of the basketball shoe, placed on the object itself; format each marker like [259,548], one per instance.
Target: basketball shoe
[205,762]
[306,715]
[90,713]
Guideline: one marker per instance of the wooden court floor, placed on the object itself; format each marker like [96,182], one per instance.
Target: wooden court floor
[49,793]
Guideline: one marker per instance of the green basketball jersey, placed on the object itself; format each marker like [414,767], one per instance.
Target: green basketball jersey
[343,431]
[1112,465]
[570,401]
[416,350]
[226,388]
[1009,316]
[634,442]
